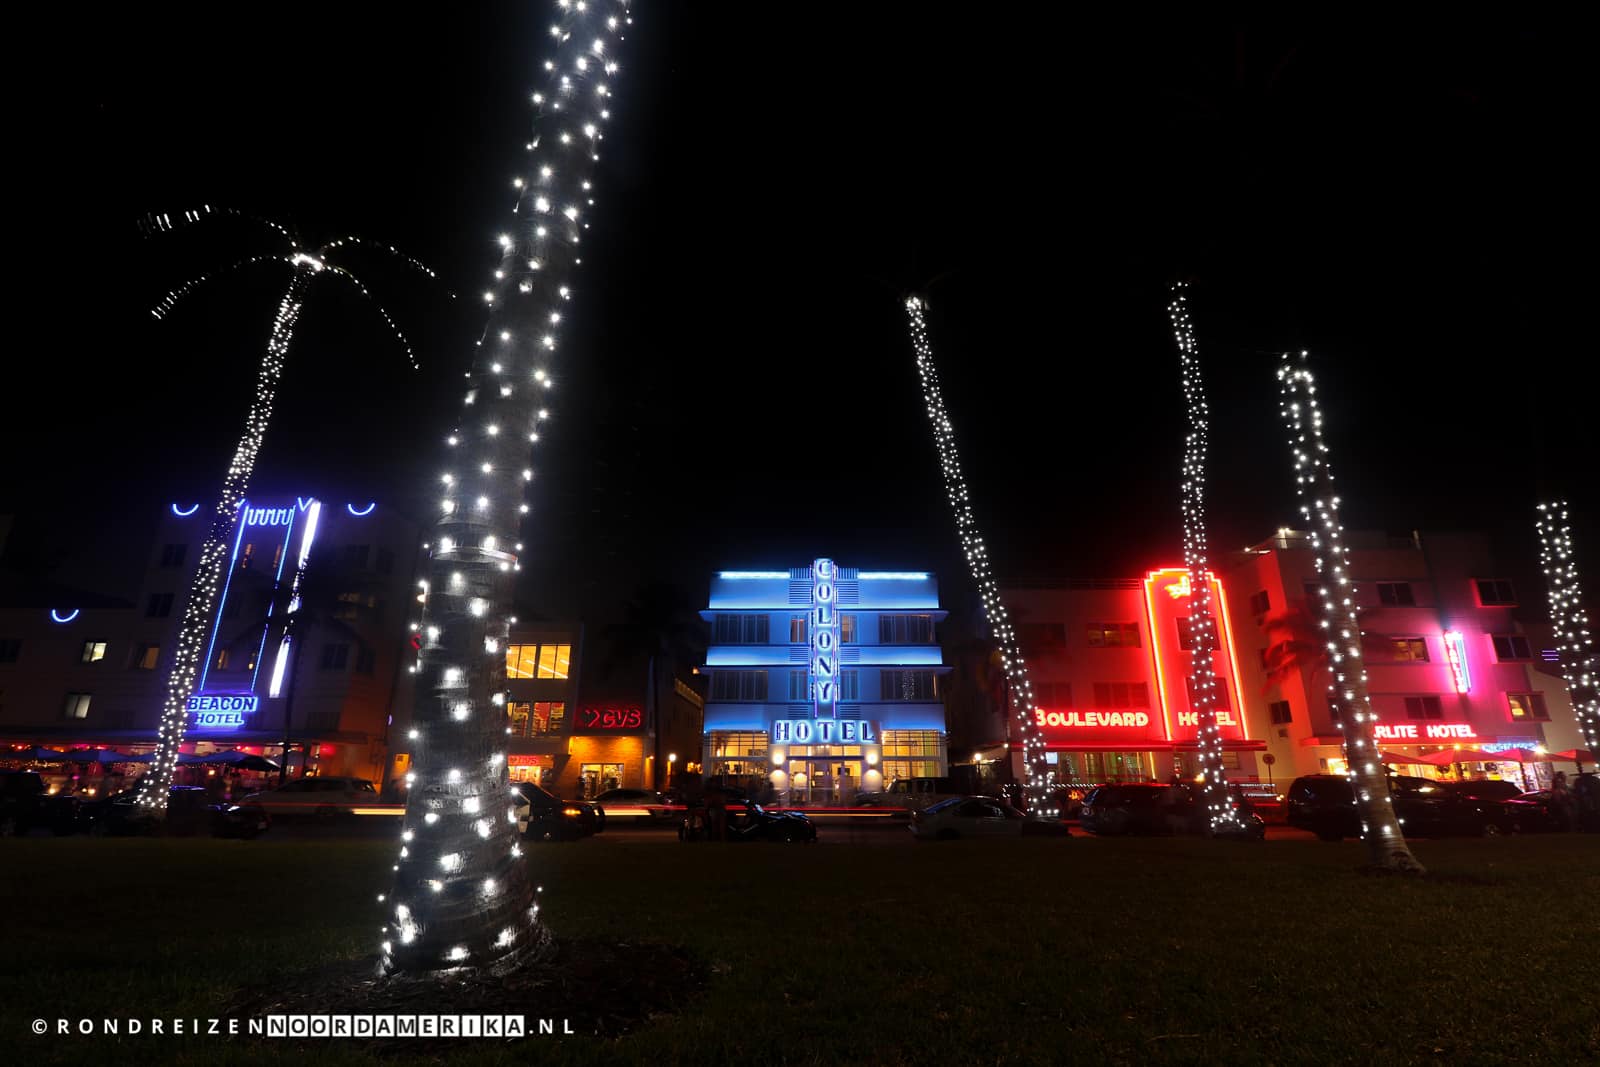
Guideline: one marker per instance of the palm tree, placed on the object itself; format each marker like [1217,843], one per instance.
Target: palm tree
[1339,626]
[661,627]
[201,602]
[463,895]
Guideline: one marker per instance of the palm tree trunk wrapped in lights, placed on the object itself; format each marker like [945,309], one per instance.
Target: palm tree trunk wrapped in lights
[201,602]
[1347,688]
[1196,553]
[1040,782]
[462,894]
[1575,644]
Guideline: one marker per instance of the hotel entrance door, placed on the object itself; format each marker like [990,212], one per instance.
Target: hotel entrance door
[824,783]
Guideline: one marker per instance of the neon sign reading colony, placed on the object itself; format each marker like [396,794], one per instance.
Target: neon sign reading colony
[824,638]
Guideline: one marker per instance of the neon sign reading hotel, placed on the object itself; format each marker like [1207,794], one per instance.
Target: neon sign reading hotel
[1455,651]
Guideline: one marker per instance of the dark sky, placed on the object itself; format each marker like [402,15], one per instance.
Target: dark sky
[1402,198]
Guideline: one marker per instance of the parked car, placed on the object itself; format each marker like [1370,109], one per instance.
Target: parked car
[320,796]
[967,816]
[1325,805]
[634,805]
[1532,813]
[543,816]
[25,803]
[1157,808]
[1491,789]
[915,794]
[749,821]
[191,812]
[892,805]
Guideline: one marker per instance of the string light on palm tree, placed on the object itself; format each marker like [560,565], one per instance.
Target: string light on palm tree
[1574,642]
[462,894]
[1348,699]
[1202,623]
[307,266]
[1040,781]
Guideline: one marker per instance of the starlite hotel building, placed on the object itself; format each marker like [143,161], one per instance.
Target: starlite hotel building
[823,680]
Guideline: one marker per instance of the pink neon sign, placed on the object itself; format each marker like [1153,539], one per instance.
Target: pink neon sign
[1416,731]
[1455,651]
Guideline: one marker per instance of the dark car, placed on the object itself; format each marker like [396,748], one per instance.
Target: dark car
[191,812]
[1154,808]
[636,805]
[1489,789]
[749,821]
[1533,813]
[1325,805]
[552,819]
[25,803]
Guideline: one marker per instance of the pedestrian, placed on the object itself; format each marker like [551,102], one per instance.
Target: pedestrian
[716,811]
[847,788]
[1563,803]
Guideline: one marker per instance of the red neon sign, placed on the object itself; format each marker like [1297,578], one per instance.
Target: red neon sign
[609,720]
[1172,662]
[1455,650]
[1420,731]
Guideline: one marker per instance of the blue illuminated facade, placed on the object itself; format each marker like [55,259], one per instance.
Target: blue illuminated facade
[825,681]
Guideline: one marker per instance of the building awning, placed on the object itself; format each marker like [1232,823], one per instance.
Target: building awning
[1147,746]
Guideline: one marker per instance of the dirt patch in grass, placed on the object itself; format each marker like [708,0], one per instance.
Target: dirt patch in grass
[590,987]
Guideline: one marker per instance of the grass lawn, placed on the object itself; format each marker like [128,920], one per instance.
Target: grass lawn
[1030,951]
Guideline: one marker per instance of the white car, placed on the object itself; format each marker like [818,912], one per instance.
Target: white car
[967,817]
[321,796]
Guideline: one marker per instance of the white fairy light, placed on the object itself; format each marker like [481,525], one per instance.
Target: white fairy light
[1575,647]
[1347,684]
[1040,777]
[1202,622]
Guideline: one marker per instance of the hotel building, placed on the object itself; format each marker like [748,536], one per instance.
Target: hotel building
[823,680]
[82,670]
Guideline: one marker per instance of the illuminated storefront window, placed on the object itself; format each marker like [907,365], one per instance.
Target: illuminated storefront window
[910,754]
[596,778]
[538,661]
[536,719]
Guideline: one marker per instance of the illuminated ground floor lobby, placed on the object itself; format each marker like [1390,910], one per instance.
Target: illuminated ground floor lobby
[822,775]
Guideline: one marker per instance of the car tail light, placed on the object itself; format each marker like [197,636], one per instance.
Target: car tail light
[571,811]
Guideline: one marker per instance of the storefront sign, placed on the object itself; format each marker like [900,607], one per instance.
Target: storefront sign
[604,720]
[1455,651]
[824,638]
[824,732]
[1192,718]
[530,760]
[1419,731]
[1092,718]
[221,710]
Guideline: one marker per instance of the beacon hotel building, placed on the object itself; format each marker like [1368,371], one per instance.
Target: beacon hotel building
[823,680]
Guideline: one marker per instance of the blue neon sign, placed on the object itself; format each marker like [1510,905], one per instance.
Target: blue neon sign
[224,710]
[351,508]
[185,514]
[824,638]
[54,614]
[824,732]
[268,516]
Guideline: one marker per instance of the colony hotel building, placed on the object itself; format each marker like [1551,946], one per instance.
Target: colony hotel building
[1449,665]
[823,680]
[77,670]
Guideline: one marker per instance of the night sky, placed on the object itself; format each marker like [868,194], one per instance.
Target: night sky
[1403,199]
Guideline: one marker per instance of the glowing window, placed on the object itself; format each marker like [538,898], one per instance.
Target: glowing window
[521,660]
[555,661]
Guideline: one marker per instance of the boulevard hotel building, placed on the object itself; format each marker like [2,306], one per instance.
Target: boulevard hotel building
[823,680]
[1453,655]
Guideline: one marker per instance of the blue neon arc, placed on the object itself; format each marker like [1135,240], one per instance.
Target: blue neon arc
[185,514]
[351,508]
[57,615]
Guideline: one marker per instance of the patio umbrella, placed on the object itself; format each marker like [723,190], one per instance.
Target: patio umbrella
[1398,757]
[104,756]
[1519,755]
[36,753]
[1580,756]
[245,761]
[1450,756]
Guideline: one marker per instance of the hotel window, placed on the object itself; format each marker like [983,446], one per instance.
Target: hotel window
[366,660]
[221,663]
[1041,638]
[1185,642]
[849,685]
[76,706]
[1280,713]
[555,661]
[908,685]
[1220,689]
[1052,695]
[1260,603]
[248,554]
[1121,695]
[738,743]
[277,558]
[1424,708]
[1396,594]
[905,629]
[741,629]
[1496,593]
[797,629]
[354,557]
[739,685]
[385,561]
[910,754]
[145,657]
[1113,635]
[93,651]
[335,656]
[521,660]
[1525,706]
[539,719]
[517,719]
[10,649]
[159,606]
[173,555]
[799,685]
[847,629]
[1406,649]
[1511,647]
